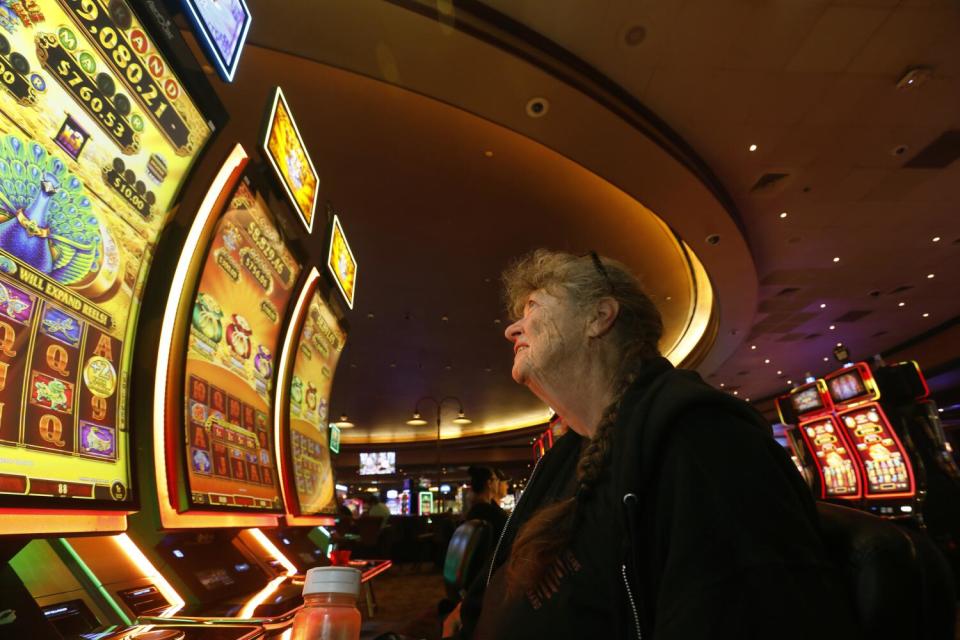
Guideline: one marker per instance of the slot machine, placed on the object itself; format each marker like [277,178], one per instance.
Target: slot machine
[102,119]
[889,482]
[838,477]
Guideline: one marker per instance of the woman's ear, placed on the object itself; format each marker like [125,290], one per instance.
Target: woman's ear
[604,316]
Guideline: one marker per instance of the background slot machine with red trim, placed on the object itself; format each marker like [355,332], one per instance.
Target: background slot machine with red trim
[838,477]
[889,482]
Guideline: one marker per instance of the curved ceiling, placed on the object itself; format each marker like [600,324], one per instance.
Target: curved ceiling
[812,84]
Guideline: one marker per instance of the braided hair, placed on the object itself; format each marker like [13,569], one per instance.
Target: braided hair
[636,332]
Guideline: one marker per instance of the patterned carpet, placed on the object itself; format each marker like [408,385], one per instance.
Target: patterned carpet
[406,603]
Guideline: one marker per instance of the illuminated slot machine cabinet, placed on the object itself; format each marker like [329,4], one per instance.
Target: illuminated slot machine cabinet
[838,477]
[103,115]
[889,481]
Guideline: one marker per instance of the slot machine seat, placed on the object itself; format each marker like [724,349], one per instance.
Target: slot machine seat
[900,584]
[466,555]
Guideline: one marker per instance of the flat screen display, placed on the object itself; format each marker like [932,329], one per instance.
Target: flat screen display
[222,27]
[378,463]
[807,400]
[290,160]
[341,263]
[240,304]
[834,459]
[846,386]
[334,438]
[318,352]
[883,458]
[97,134]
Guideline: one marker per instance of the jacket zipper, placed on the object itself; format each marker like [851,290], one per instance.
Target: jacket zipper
[506,524]
[633,604]
[630,499]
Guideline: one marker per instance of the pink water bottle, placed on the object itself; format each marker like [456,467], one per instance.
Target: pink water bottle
[329,605]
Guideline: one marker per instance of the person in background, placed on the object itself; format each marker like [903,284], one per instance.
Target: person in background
[503,485]
[667,511]
[486,499]
[378,509]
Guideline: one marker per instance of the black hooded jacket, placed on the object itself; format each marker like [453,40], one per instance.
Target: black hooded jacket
[701,528]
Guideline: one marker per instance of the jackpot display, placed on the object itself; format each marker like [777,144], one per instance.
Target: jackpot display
[241,301]
[321,343]
[290,160]
[97,134]
[222,27]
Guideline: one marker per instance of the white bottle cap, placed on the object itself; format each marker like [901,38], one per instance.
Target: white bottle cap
[332,580]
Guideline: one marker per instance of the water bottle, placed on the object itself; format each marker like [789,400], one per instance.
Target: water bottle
[329,605]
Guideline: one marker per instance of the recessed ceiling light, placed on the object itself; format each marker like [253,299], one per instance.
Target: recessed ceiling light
[496,321]
[736,393]
[936,238]
[926,315]
[488,153]
[836,259]
[766,361]
[789,381]
[635,35]
[753,147]
[832,327]
[748,399]
[930,276]
[783,214]
[826,359]
[901,304]
[823,305]
[779,373]
[753,346]
[722,385]
[839,344]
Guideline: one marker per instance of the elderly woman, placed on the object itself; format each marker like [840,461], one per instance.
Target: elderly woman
[668,510]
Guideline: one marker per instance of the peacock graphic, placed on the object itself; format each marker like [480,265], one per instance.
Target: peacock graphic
[46,218]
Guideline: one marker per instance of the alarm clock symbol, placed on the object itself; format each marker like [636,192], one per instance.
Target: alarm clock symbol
[238,336]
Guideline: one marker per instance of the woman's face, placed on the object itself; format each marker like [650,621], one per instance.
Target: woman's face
[545,339]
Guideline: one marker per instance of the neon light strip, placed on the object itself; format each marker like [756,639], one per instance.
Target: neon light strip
[272,550]
[281,408]
[93,580]
[258,599]
[166,590]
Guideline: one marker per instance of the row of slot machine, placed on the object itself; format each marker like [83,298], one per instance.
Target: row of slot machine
[873,440]
[165,373]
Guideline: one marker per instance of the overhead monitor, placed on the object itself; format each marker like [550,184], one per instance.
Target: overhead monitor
[315,362]
[97,135]
[334,438]
[378,463]
[808,398]
[288,156]
[852,384]
[221,27]
[341,263]
[239,306]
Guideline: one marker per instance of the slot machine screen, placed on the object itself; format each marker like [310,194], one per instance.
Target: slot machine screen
[240,303]
[221,27]
[834,459]
[846,386]
[807,400]
[882,456]
[97,135]
[318,351]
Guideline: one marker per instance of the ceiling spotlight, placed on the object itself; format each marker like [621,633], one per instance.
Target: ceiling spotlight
[839,344]
[722,385]
[836,259]
[926,315]
[753,346]
[901,304]
[736,393]
[789,381]
[416,420]
[461,418]
[779,373]
[753,147]
[826,359]
[832,327]
[823,305]
[930,276]
[488,153]
[766,361]
[936,238]
[344,422]
[783,214]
